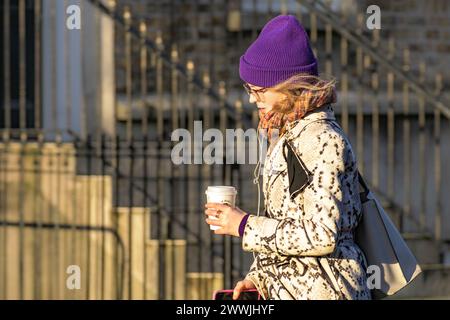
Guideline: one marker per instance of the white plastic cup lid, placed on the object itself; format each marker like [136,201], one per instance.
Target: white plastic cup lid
[230,190]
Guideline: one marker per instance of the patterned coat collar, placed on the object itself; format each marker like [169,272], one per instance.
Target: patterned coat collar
[324,112]
[275,162]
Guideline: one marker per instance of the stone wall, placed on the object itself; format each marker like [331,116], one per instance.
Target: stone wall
[198,29]
[421,26]
[215,33]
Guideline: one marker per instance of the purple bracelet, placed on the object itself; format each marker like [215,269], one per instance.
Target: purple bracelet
[242,225]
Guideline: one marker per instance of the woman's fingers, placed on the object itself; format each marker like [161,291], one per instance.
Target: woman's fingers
[242,285]
[213,222]
[217,206]
[211,212]
[237,289]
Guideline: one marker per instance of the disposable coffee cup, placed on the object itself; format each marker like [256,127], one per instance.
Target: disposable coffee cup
[220,194]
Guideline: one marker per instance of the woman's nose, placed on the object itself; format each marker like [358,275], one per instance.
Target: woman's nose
[252,98]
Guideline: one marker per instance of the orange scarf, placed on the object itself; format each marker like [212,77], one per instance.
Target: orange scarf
[272,121]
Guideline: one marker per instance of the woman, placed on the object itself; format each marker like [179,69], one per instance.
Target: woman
[304,245]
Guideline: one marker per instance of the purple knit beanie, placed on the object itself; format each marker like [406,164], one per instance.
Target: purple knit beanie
[281,50]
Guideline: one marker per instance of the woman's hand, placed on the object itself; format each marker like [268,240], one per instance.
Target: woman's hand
[229,218]
[242,285]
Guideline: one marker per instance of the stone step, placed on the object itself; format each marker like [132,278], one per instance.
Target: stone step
[174,272]
[133,228]
[352,97]
[425,251]
[57,237]
[36,179]
[201,285]
[41,258]
[142,257]
[146,254]
[93,195]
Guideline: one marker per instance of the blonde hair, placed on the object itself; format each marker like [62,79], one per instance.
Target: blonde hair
[303,91]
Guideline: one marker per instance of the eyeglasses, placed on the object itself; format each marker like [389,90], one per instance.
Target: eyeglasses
[254,92]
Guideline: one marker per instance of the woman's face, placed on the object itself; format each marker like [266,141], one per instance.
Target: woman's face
[265,98]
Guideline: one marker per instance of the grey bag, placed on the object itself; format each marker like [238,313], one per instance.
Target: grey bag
[383,246]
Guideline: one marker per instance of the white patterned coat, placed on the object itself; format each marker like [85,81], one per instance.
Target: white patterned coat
[317,224]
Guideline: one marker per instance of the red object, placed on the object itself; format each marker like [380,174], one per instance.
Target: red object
[227,294]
